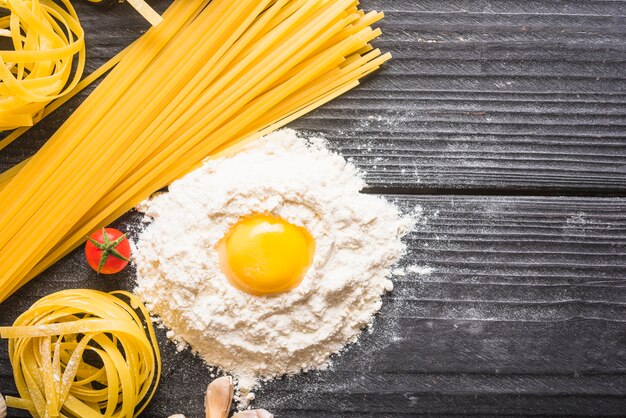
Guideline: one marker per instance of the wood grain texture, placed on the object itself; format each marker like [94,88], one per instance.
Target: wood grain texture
[497,95]
[522,313]
[501,95]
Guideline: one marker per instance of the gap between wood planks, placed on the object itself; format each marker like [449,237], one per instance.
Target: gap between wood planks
[484,191]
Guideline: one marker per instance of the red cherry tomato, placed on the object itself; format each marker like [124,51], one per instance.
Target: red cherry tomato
[107,251]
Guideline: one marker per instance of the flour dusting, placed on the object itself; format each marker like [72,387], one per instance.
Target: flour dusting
[358,243]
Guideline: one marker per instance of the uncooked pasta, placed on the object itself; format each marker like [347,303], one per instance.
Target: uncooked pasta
[84,354]
[46,41]
[213,74]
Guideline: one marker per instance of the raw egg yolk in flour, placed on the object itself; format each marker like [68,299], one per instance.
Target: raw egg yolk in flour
[264,255]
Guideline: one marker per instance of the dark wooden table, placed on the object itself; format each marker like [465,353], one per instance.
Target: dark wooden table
[505,120]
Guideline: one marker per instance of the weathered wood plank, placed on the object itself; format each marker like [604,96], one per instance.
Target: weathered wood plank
[522,314]
[500,95]
[495,95]
[503,306]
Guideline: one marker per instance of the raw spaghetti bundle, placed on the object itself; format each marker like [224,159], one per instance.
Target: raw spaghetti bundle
[84,353]
[46,40]
[212,75]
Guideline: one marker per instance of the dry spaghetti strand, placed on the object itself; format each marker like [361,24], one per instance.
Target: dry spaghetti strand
[230,73]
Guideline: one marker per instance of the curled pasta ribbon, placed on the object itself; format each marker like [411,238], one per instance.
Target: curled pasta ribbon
[45,40]
[141,6]
[84,353]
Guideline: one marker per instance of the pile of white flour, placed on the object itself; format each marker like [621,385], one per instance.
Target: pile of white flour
[357,245]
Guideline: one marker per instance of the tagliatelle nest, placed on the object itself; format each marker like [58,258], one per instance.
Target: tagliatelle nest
[83,353]
[45,39]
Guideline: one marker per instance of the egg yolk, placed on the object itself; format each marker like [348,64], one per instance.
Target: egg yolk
[264,255]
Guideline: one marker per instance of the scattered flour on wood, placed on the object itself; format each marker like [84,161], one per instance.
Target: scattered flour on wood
[358,243]
[419,270]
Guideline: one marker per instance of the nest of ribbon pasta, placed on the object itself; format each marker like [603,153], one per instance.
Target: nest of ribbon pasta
[84,353]
[42,57]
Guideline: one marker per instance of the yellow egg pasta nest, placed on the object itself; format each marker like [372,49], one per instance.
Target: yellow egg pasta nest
[46,38]
[84,353]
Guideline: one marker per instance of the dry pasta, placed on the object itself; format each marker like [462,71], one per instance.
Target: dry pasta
[46,40]
[77,87]
[84,353]
[211,75]
[142,7]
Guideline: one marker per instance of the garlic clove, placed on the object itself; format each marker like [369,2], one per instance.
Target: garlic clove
[254,413]
[3,407]
[219,397]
